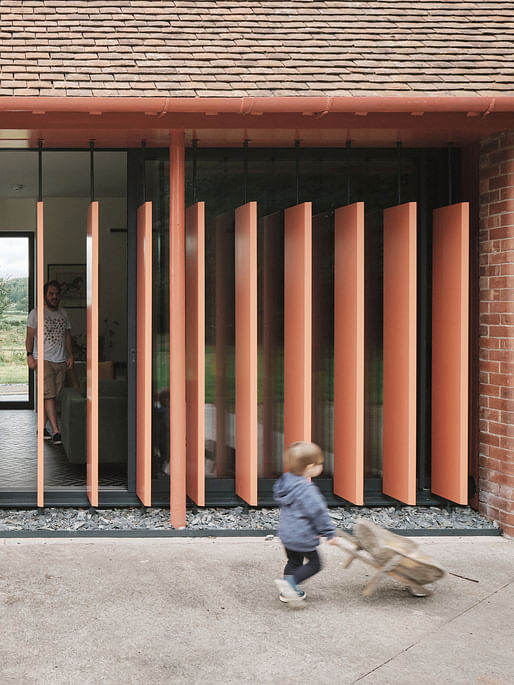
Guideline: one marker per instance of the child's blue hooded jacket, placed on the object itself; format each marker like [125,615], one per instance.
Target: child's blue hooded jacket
[303,513]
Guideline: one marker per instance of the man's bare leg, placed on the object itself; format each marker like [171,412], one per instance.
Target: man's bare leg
[51,414]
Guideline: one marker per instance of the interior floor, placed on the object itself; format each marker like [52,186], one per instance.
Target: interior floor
[18,458]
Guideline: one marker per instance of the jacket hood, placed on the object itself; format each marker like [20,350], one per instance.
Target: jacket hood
[288,487]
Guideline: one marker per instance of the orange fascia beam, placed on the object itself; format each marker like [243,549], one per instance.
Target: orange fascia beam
[177,285]
[144,354]
[40,372]
[349,353]
[450,321]
[195,352]
[399,413]
[246,352]
[161,106]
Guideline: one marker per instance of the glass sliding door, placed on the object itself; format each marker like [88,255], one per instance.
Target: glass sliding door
[157,191]
[66,191]
[278,179]
[113,445]
[18,449]
[67,198]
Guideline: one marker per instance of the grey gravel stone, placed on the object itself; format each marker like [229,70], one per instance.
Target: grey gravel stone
[236,518]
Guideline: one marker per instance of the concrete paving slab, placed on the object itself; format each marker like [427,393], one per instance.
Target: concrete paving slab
[190,610]
[474,647]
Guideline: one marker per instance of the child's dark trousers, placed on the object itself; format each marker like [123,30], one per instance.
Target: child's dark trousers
[296,568]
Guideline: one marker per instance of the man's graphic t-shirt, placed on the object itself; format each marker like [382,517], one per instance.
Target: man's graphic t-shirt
[56,325]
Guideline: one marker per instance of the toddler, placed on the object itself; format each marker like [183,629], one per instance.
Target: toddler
[303,517]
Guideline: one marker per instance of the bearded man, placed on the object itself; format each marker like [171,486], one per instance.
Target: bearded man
[58,353]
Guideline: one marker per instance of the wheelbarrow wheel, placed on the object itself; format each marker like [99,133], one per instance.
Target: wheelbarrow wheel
[419,591]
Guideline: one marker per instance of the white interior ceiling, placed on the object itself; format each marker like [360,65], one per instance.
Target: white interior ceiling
[65,174]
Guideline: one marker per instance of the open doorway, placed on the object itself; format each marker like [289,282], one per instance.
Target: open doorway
[16,288]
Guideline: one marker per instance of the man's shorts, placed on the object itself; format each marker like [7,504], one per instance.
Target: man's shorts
[55,373]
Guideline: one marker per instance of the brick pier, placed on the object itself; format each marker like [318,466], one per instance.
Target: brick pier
[496,446]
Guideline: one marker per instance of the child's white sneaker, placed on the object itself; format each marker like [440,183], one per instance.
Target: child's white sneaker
[289,591]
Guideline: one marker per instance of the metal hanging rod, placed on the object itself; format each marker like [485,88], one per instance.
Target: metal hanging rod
[399,149]
[245,168]
[40,170]
[92,169]
[347,165]
[450,171]
[143,164]
[297,168]
[195,150]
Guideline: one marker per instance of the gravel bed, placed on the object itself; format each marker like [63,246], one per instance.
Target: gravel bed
[235,518]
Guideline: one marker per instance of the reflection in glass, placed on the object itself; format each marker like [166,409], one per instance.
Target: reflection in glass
[111,193]
[270,337]
[224,348]
[66,196]
[277,179]
[323,336]
[157,189]
[373,343]
[220,185]
[66,184]
[376,182]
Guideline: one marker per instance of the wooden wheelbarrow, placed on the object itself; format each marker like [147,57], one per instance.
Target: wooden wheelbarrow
[392,555]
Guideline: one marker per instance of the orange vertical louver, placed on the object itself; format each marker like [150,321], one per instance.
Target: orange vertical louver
[92,252]
[40,373]
[450,293]
[349,353]
[297,323]
[144,354]
[195,352]
[246,352]
[177,285]
[399,413]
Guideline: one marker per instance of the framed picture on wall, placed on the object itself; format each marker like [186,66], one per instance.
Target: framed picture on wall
[72,278]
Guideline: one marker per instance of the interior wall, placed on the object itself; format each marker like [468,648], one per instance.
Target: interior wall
[65,243]
[17,214]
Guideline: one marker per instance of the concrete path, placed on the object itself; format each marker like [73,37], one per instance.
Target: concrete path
[190,610]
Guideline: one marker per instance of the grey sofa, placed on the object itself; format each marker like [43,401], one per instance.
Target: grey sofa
[112,419]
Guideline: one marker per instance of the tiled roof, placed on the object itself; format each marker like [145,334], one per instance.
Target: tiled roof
[256,48]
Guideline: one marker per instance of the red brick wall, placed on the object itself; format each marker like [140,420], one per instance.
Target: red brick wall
[496,446]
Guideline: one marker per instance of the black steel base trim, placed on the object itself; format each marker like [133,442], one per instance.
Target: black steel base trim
[107,499]
[228,533]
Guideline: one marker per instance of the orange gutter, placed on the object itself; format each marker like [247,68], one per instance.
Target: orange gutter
[318,106]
